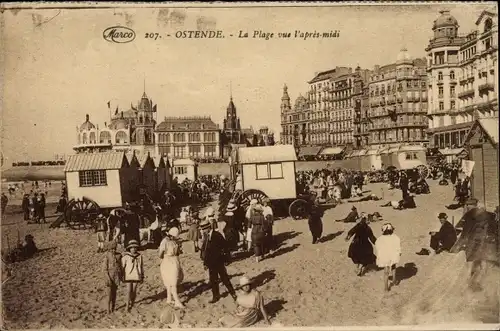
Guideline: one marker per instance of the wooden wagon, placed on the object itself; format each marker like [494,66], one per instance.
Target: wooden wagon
[268,172]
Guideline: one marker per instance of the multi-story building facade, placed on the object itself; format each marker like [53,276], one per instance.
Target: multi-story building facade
[294,121]
[362,118]
[398,102]
[462,78]
[188,137]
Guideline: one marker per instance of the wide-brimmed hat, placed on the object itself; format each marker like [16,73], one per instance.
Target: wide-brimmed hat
[132,243]
[231,206]
[244,281]
[173,232]
[254,202]
[205,225]
[442,216]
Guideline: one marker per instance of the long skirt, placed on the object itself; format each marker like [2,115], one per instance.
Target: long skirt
[171,271]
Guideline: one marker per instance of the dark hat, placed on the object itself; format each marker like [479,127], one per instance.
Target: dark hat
[442,216]
[205,225]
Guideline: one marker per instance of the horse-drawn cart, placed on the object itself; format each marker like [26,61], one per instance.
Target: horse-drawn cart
[268,172]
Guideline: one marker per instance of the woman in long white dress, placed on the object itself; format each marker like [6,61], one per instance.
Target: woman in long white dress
[170,267]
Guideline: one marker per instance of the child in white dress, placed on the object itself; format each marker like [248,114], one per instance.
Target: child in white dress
[388,252]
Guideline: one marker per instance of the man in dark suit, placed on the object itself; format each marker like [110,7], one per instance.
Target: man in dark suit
[445,238]
[215,254]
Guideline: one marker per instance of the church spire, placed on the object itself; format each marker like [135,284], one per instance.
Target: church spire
[285,100]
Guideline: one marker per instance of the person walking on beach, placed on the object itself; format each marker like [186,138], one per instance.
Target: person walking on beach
[361,247]
[193,231]
[214,255]
[269,218]
[101,230]
[258,235]
[170,267]
[133,271]
[315,223]
[388,251]
[26,207]
[112,274]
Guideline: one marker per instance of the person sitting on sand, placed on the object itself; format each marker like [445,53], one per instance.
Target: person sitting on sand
[407,203]
[443,239]
[388,252]
[112,274]
[371,197]
[250,308]
[352,217]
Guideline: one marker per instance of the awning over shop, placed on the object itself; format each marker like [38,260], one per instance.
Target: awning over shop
[363,152]
[309,151]
[451,151]
[332,150]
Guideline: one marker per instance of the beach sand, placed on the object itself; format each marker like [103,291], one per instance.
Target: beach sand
[303,284]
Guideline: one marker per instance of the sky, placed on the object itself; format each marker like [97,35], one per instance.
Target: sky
[57,67]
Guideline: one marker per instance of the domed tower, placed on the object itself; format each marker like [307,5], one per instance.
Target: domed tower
[442,74]
[285,101]
[142,134]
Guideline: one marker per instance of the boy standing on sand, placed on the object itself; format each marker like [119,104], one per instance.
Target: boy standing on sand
[133,271]
[112,274]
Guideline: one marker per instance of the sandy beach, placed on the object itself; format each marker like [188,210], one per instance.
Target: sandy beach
[303,284]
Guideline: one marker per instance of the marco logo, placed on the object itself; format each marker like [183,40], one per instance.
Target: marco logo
[118,34]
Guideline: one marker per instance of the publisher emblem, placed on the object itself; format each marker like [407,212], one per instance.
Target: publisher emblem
[118,34]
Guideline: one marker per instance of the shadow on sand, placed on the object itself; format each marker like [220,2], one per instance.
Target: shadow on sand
[330,236]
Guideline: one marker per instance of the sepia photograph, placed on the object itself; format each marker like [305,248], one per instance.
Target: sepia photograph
[235,165]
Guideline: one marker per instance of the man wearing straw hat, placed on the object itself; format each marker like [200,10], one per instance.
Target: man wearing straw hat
[214,255]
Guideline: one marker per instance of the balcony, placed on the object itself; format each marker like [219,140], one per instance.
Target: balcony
[487,105]
[453,81]
[486,87]
[466,93]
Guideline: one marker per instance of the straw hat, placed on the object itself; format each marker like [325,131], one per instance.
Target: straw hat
[209,212]
[229,213]
[173,232]
[133,243]
[205,225]
[253,202]
[244,281]
[231,206]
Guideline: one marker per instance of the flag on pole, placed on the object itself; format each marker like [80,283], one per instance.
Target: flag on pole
[109,104]
[116,111]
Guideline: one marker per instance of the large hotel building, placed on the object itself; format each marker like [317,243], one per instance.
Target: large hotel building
[398,102]
[462,78]
[325,116]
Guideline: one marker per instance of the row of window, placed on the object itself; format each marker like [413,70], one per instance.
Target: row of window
[269,170]
[180,170]
[104,138]
[440,75]
[449,139]
[92,178]
[194,150]
[402,72]
[390,88]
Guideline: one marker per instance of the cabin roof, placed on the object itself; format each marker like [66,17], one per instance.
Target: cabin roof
[489,126]
[262,154]
[96,161]
[146,160]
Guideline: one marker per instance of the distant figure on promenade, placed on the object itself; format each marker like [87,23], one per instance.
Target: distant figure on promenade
[361,247]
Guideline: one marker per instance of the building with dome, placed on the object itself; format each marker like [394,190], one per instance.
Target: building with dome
[129,131]
[398,102]
[462,77]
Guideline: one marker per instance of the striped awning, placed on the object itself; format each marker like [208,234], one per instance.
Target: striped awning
[96,161]
[332,150]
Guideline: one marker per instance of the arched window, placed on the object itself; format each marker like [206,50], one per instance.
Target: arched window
[84,138]
[121,137]
[167,137]
[105,137]
[92,138]
[452,74]
[440,75]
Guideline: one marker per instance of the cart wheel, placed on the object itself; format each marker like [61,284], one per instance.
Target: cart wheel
[81,214]
[249,195]
[298,209]
[423,171]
